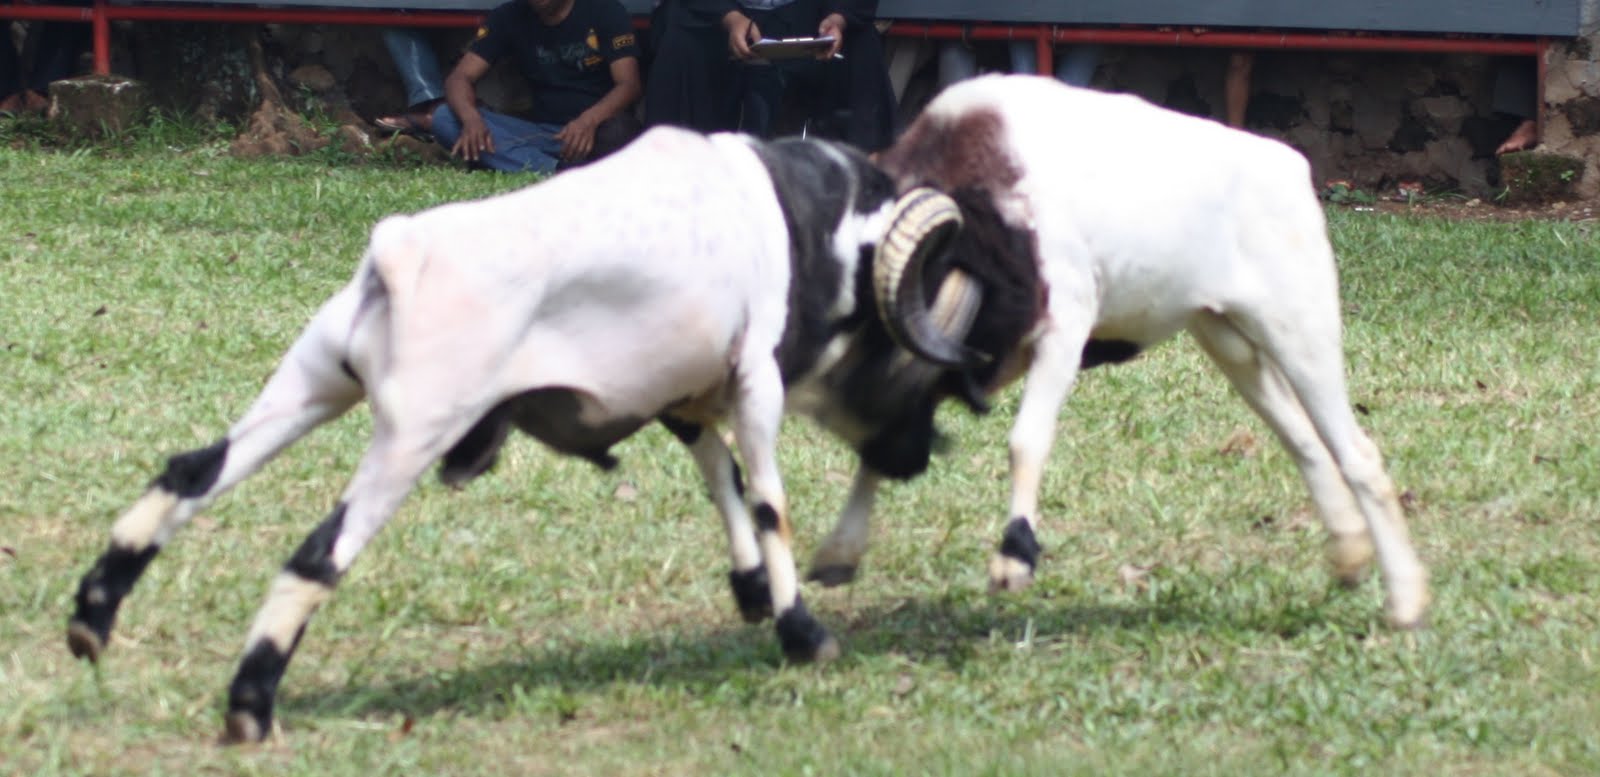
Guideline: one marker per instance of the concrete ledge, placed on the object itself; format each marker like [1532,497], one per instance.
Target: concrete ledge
[98,105]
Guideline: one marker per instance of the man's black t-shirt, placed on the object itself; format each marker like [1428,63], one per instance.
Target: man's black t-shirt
[568,66]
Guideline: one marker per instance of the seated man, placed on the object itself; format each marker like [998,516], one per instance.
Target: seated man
[582,63]
[704,76]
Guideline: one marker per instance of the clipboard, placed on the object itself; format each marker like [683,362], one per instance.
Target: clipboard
[791,48]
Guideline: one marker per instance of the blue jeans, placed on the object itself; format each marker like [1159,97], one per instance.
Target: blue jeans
[1074,66]
[519,146]
[416,63]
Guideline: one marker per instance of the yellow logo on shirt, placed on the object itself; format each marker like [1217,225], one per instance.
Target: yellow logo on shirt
[621,42]
[483,32]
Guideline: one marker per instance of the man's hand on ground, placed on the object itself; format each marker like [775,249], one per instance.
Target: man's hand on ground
[475,140]
[577,138]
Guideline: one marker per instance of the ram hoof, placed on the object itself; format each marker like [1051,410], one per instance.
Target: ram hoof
[84,642]
[832,575]
[240,727]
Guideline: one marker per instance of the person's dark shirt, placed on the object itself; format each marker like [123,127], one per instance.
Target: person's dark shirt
[568,66]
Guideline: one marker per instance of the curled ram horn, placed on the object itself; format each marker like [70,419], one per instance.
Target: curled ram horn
[923,223]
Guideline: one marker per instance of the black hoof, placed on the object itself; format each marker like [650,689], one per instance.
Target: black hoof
[804,640]
[752,593]
[1019,543]
[832,575]
[241,727]
[84,642]
[100,592]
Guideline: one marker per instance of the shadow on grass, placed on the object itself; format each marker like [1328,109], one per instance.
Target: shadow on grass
[951,629]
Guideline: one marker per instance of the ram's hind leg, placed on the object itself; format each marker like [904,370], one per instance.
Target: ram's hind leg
[1263,388]
[309,387]
[399,454]
[1305,349]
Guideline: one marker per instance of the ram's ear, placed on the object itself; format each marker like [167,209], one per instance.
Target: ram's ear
[924,223]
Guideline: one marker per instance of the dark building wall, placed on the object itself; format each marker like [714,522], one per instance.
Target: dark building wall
[1508,17]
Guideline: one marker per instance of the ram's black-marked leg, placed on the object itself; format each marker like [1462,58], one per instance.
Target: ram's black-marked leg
[803,639]
[752,593]
[99,595]
[1017,557]
[751,588]
[136,539]
[306,581]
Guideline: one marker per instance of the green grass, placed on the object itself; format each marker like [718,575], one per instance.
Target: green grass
[549,620]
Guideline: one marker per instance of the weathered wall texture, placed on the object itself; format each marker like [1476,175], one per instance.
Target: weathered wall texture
[1374,119]
[360,67]
[203,67]
[1572,100]
[1371,119]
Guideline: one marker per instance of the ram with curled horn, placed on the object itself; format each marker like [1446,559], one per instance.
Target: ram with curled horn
[1111,234]
[577,311]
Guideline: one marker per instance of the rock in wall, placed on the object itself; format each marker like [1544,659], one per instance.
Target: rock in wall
[1572,100]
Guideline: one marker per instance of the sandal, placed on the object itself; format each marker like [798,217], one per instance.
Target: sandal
[403,124]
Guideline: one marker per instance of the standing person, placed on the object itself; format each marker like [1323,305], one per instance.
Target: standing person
[56,45]
[582,65]
[705,77]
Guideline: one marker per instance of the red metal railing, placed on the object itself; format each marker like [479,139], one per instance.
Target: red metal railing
[102,13]
[1045,37]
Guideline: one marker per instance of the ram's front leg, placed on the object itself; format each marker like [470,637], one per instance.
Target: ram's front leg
[758,414]
[837,559]
[1049,381]
[726,488]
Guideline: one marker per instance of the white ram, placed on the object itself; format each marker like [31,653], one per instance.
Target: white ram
[1141,222]
[686,279]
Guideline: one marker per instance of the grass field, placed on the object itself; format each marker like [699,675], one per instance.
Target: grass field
[553,619]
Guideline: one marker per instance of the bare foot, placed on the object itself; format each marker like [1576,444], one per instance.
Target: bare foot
[1524,137]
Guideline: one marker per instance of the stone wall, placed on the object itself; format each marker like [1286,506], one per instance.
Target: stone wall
[1373,119]
[203,68]
[1572,100]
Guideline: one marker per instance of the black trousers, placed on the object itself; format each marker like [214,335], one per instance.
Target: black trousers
[694,83]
